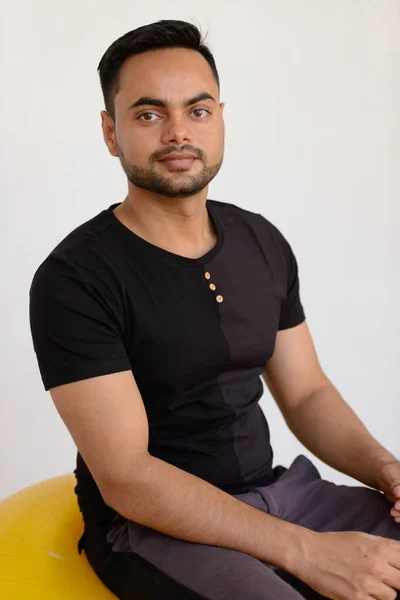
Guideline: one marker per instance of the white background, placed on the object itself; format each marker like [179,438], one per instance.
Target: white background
[312,116]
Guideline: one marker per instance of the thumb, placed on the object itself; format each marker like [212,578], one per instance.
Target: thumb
[390,478]
[393,478]
[396,489]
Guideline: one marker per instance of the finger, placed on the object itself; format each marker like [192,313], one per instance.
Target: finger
[383,592]
[393,563]
[394,512]
[392,578]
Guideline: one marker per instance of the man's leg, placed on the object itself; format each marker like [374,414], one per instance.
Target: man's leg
[302,497]
[134,561]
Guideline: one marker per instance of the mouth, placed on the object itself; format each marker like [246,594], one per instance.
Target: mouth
[174,163]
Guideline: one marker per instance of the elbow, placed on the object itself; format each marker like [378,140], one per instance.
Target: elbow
[121,490]
[109,496]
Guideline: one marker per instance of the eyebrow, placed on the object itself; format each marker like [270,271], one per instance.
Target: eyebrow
[148,100]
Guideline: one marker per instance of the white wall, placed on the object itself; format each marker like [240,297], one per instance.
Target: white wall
[312,112]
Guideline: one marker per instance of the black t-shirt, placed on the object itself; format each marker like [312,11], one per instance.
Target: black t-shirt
[196,333]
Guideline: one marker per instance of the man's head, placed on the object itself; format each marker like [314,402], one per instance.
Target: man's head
[161,93]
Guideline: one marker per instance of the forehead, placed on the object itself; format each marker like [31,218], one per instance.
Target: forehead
[168,73]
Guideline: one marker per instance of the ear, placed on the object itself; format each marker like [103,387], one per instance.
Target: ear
[108,127]
[222,106]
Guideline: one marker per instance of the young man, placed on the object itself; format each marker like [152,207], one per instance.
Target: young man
[153,322]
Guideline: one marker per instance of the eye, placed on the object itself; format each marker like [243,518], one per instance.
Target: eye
[201,113]
[197,110]
[145,114]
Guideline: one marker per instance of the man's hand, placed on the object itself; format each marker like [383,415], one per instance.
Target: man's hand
[388,481]
[351,565]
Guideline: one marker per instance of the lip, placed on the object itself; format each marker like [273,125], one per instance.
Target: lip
[178,162]
[177,156]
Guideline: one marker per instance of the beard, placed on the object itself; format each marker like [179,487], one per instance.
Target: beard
[149,179]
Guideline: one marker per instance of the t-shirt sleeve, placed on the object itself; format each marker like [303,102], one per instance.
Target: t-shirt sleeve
[76,324]
[292,311]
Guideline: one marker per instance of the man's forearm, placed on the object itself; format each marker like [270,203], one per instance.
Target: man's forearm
[329,428]
[184,506]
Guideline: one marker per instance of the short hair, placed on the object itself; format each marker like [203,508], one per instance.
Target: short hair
[155,36]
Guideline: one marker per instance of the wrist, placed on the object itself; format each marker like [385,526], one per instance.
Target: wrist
[380,464]
[297,543]
[304,552]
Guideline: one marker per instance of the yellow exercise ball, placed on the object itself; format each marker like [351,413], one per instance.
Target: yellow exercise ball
[39,529]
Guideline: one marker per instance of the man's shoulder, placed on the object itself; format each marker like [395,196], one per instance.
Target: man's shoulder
[226,210]
[90,232]
[80,248]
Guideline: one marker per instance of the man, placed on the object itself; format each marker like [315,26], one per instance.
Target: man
[153,322]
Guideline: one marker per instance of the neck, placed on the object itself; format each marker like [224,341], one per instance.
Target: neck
[179,225]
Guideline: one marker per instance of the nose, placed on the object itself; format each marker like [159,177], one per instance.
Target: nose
[176,130]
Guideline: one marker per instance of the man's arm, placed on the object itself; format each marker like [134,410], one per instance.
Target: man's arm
[107,420]
[315,411]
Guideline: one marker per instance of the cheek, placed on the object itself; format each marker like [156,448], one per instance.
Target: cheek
[137,147]
[213,144]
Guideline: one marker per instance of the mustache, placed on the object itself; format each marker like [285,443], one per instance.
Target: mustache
[159,154]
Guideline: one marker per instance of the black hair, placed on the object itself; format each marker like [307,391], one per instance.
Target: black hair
[159,35]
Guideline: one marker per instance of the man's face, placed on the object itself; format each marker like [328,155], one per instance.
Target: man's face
[144,134]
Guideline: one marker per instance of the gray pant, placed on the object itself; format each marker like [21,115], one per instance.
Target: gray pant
[135,561]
